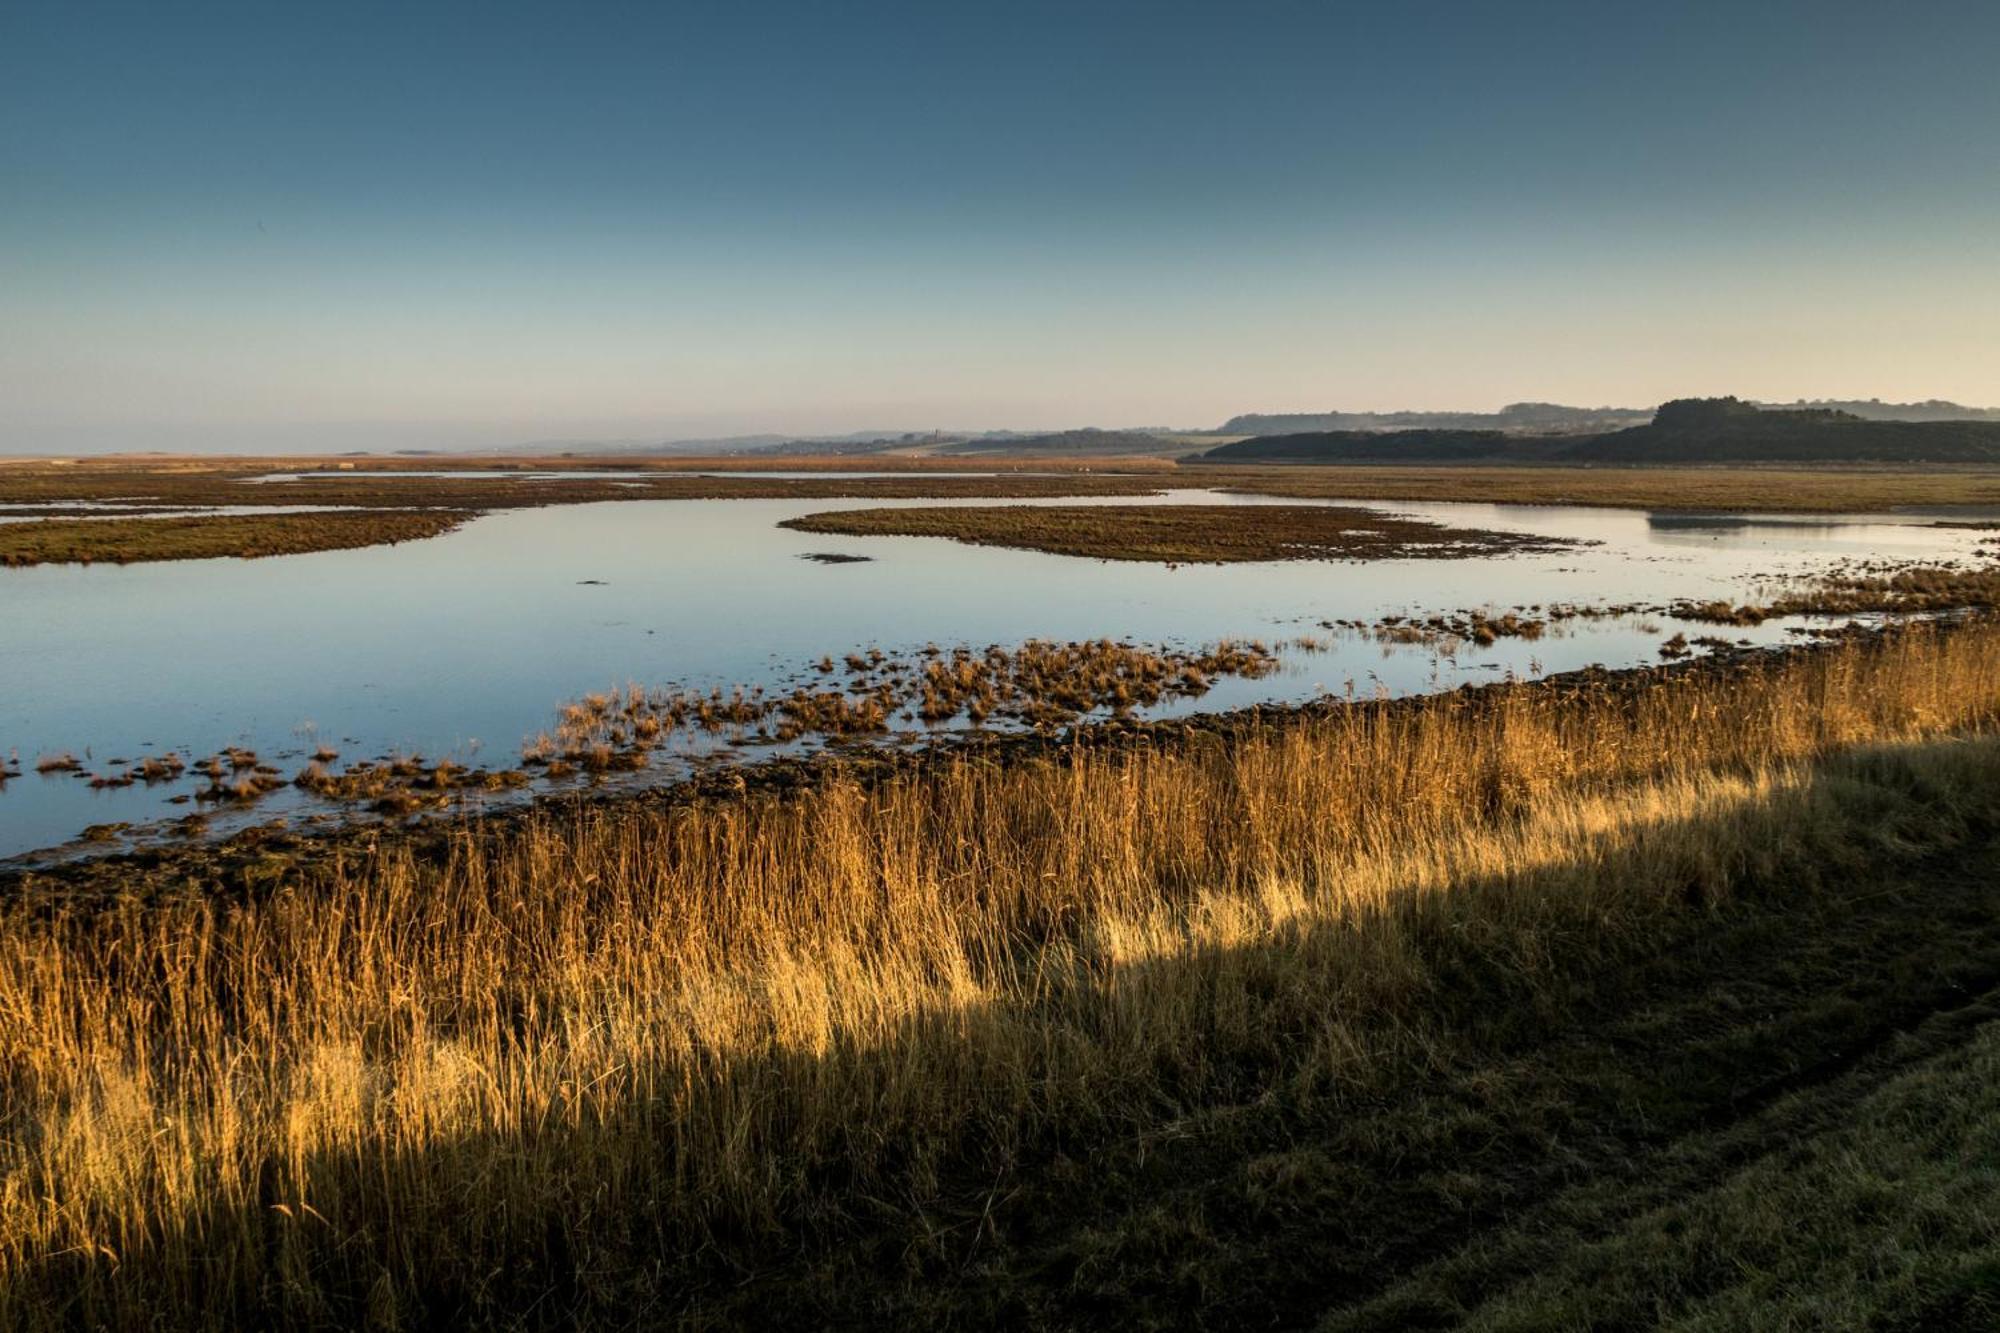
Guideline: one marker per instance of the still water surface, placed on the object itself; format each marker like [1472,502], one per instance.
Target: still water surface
[463,645]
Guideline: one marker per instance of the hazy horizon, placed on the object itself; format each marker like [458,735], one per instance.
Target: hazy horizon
[236,229]
[390,437]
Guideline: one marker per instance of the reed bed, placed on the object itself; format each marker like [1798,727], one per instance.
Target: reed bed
[613,1059]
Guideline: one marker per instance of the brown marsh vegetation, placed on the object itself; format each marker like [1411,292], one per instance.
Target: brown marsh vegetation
[237,776]
[1897,589]
[1481,627]
[387,483]
[982,1042]
[1040,685]
[52,493]
[234,483]
[392,503]
[204,537]
[1742,489]
[401,785]
[1189,534]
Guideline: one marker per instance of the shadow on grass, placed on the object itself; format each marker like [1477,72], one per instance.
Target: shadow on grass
[1299,1134]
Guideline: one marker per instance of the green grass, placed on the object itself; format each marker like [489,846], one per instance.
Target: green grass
[1871,1200]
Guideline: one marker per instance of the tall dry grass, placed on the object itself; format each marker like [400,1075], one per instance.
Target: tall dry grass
[609,1052]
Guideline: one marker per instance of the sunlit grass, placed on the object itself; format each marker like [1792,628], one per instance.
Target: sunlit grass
[407,1083]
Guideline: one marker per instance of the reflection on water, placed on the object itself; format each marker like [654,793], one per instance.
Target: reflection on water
[1676,525]
[463,645]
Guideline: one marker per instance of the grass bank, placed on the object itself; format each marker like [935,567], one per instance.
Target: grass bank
[129,540]
[1219,1031]
[1187,534]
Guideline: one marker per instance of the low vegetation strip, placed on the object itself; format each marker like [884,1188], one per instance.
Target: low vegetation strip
[1190,534]
[849,1049]
[130,540]
[56,489]
[1728,489]
[463,486]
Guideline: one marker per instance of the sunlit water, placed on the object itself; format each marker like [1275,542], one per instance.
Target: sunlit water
[463,645]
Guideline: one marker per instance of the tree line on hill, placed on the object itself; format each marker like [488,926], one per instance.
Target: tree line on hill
[1557,419]
[1685,430]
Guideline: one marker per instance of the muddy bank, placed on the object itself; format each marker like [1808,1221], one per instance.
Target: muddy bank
[266,858]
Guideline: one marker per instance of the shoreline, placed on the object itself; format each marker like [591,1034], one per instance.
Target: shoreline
[254,859]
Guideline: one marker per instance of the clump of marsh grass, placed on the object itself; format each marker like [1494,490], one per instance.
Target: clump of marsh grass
[1483,628]
[402,784]
[160,768]
[1041,685]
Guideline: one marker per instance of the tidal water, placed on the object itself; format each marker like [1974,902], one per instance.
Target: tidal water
[462,646]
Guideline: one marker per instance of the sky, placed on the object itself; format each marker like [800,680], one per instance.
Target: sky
[329,227]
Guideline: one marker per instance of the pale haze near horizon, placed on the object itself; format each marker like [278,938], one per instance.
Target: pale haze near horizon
[225,228]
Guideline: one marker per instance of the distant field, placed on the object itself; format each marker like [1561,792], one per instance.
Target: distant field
[381,485]
[393,501]
[1757,490]
[217,482]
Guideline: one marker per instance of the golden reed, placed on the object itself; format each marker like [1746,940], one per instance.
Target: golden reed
[641,1039]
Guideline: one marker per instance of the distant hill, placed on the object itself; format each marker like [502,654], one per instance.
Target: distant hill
[1727,430]
[1517,418]
[1874,409]
[1367,446]
[1088,440]
[1556,419]
[1686,430]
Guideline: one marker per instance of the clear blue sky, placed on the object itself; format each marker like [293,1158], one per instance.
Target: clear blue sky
[358,226]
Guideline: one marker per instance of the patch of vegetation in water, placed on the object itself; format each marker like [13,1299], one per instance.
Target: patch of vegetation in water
[1039,685]
[131,540]
[1185,534]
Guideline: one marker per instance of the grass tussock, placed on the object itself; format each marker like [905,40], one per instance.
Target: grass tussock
[615,1059]
[1040,684]
[1184,534]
